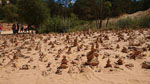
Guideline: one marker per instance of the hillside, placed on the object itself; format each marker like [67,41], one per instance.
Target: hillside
[134,15]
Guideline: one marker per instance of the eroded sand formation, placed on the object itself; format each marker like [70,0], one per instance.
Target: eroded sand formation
[105,57]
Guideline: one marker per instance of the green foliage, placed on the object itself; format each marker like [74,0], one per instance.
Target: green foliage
[64,16]
[84,9]
[10,12]
[4,2]
[144,22]
[57,24]
[1,14]
[108,5]
[120,7]
[55,9]
[13,1]
[125,23]
[140,22]
[33,12]
[146,4]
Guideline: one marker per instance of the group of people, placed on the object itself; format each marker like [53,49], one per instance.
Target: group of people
[16,28]
[19,28]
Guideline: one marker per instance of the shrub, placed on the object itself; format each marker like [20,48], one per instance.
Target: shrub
[60,25]
[125,23]
[143,22]
[55,24]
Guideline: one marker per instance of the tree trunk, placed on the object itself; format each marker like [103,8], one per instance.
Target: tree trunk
[107,21]
[97,18]
[100,25]
[101,13]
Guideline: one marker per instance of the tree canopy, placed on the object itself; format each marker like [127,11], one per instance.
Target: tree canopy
[33,12]
[10,12]
[38,12]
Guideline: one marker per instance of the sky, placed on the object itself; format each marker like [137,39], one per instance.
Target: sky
[73,1]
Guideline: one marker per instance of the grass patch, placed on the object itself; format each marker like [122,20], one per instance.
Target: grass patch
[141,22]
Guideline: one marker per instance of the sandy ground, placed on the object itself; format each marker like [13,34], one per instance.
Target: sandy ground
[11,32]
[106,57]
[6,32]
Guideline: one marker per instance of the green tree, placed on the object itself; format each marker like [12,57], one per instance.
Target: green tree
[120,7]
[1,14]
[4,2]
[84,9]
[108,11]
[146,4]
[66,8]
[33,12]
[136,5]
[55,8]
[10,12]
[102,11]
[13,1]
[93,10]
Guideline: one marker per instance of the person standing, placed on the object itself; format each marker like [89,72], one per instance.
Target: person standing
[14,28]
[22,28]
[17,31]
[0,28]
